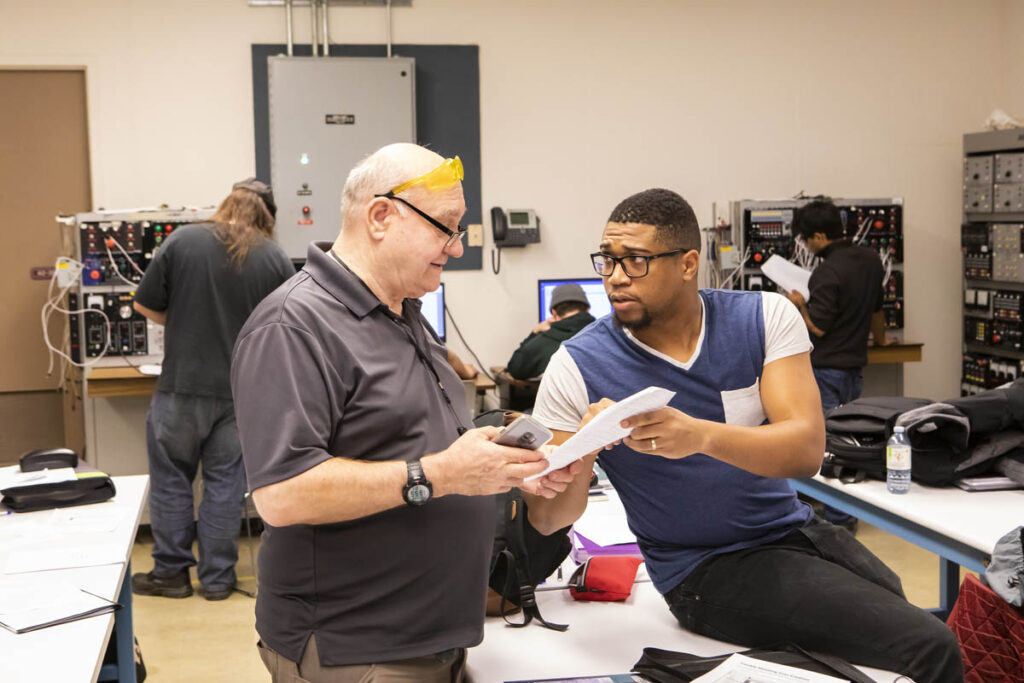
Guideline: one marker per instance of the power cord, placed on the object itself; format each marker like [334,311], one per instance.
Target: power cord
[480,365]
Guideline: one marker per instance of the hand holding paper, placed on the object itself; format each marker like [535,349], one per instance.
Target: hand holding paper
[786,275]
[605,428]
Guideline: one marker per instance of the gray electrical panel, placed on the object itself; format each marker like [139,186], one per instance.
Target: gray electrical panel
[1007,254]
[326,114]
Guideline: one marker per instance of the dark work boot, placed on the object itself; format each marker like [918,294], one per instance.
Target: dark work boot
[217,593]
[175,586]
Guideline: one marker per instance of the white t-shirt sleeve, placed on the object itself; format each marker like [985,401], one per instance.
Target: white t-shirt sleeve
[785,333]
[562,397]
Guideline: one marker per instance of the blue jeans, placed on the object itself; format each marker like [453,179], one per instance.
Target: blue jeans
[819,588]
[837,386]
[181,432]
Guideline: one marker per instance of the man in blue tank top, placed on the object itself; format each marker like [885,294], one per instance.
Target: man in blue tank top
[737,556]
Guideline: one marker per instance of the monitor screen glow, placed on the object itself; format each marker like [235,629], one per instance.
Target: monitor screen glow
[433,310]
[592,287]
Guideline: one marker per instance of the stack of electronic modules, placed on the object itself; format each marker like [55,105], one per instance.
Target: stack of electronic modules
[992,240]
[111,253]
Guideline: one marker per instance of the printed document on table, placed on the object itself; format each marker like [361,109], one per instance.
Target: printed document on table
[13,476]
[742,669]
[41,560]
[786,275]
[605,429]
[30,604]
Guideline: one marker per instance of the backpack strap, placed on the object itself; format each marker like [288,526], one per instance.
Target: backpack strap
[517,558]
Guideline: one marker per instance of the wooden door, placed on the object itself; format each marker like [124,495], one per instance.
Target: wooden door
[44,171]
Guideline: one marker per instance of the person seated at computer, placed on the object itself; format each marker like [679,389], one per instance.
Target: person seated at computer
[570,313]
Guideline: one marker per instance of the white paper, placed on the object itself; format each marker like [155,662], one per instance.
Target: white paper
[605,428]
[604,522]
[13,476]
[38,560]
[742,669]
[31,602]
[786,275]
[86,519]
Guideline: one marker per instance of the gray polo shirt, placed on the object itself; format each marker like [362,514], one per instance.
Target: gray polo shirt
[323,369]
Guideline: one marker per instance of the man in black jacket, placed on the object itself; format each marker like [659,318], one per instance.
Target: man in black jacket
[569,314]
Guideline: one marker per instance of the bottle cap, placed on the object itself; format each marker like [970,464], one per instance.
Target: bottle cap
[898,429]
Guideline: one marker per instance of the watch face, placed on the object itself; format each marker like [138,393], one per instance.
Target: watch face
[418,494]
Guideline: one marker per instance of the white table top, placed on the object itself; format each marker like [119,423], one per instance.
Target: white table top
[976,519]
[74,651]
[604,638]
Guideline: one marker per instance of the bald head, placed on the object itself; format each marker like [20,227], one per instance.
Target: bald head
[384,169]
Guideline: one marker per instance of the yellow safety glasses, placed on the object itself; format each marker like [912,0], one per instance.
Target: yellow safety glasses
[441,178]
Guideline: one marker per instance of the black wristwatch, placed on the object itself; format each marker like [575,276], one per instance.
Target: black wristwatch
[417,490]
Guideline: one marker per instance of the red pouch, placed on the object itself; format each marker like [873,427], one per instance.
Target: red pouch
[605,577]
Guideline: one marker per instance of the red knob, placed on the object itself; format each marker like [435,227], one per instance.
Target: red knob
[879,225]
[94,274]
[305,210]
[758,258]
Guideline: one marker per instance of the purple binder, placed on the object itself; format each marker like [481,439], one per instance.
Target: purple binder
[583,548]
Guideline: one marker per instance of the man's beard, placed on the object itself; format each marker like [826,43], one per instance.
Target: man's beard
[637,325]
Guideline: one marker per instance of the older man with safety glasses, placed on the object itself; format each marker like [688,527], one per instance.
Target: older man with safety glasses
[373,487]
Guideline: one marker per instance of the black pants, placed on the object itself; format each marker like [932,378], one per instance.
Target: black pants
[819,588]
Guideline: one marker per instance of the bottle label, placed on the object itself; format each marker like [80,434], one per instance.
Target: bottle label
[897,457]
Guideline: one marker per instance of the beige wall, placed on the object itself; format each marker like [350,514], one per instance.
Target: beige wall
[582,103]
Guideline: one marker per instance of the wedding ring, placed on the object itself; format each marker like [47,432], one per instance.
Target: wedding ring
[654,445]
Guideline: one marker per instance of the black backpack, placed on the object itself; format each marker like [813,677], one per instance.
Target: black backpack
[521,556]
[856,434]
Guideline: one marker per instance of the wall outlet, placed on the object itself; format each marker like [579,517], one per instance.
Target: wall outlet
[475,238]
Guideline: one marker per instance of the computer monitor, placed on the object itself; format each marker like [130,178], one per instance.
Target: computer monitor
[433,310]
[593,287]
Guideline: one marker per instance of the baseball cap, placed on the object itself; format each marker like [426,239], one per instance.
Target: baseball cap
[260,188]
[569,292]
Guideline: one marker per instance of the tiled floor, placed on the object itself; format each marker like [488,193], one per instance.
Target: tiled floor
[196,640]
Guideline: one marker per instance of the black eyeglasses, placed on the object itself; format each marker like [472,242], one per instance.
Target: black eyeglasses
[453,235]
[633,266]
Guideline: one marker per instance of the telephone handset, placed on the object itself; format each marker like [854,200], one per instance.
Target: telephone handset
[499,225]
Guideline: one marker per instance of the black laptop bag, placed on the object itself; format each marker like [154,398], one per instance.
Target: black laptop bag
[856,436]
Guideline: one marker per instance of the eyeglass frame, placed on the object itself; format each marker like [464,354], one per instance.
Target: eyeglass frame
[620,262]
[453,235]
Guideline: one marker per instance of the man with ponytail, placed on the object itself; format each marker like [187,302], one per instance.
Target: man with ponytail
[202,284]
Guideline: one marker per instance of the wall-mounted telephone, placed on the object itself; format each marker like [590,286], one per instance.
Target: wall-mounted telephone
[515,227]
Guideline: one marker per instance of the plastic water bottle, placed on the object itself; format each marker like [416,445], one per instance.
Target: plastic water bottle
[897,462]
